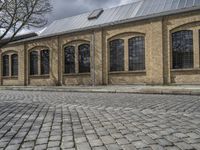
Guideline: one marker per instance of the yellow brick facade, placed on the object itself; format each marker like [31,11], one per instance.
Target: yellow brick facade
[158,55]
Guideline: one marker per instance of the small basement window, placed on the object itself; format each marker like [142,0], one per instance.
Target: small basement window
[95,14]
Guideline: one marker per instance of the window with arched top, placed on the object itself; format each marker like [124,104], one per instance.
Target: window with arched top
[69,59]
[182,49]
[44,54]
[14,65]
[84,58]
[117,55]
[5,65]
[136,47]
[34,63]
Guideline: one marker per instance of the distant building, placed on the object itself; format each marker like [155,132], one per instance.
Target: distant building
[146,42]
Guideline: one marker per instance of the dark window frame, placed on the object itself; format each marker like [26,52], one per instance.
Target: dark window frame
[33,63]
[14,65]
[84,58]
[182,49]
[5,66]
[136,53]
[69,59]
[117,52]
[44,62]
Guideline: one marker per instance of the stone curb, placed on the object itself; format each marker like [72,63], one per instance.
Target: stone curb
[128,91]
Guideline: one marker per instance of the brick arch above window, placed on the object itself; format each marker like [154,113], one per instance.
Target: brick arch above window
[125,35]
[75,43]
[38,48]
[187,26]
[9,52]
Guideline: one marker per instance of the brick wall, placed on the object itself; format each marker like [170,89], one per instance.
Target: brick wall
[158,56]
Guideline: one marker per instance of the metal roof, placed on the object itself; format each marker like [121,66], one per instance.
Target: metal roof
[143,9]
[129,12]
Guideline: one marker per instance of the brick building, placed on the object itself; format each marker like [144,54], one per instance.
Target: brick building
[146,42]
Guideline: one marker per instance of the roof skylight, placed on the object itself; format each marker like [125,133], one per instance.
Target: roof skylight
[95,14]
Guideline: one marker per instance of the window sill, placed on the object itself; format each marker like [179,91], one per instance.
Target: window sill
[77,74]
[128,72]
[185,70]
[10,78]
[38,76]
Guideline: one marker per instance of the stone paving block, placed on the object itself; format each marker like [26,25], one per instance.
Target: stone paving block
[157,147]
[12,147]
[129,147]
[180,135]
[29,144]
[83,146]
[197,146]
[53,144]
[132,137]
[164,142]
[99,148]
[67,138]
[80,140]
[139,144]
[67,145]
[172,148]
[117,135]
[148,140]
[96,143]
[108,140]
[40,147]
[193,135]
[113,147]
[54,148]
[184,146]
[40,141]
[172,138]
[122,141]
[92,137]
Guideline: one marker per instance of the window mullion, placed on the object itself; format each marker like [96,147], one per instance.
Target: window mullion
[10,66]
[196,48]
[126,55]
[39,63]
[76,60]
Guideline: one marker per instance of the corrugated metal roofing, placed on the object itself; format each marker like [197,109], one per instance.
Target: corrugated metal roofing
[130,12]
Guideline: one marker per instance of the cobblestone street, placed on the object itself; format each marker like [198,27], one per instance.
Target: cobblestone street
[84,121]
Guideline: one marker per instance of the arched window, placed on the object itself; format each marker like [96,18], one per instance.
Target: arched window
[136,47]
[182,49]
[33,63]
[69,56]
[44,54]
[117,55]
[14,65]
[84,58]
[6,65]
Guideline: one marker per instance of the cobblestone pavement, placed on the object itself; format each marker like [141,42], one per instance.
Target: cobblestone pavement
[83,121]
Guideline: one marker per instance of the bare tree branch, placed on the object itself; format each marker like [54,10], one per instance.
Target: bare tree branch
[18,14]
